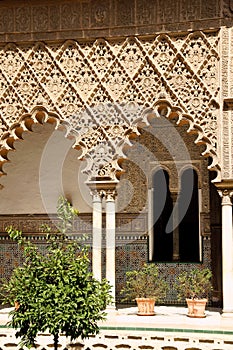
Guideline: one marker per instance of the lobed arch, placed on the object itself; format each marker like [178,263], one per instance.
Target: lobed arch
[38,115]
[164,109]
[117,137]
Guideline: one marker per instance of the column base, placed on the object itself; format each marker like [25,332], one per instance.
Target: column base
[111,309]
[227,313]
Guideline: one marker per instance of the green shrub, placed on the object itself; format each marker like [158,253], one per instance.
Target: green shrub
[195,284]
[144,283]
[55,291]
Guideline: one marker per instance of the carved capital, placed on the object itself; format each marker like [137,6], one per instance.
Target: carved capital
[96,194]
[226,195]
[103,189]
[109,195]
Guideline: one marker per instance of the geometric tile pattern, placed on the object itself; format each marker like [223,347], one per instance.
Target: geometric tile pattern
[131,248]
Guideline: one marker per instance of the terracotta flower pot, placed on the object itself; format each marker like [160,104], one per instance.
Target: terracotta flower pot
[145,306]
[196,307]
[17,305]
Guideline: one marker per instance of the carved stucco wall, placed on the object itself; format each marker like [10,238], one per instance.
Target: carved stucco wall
[226,121]
[102,89]
[60,19]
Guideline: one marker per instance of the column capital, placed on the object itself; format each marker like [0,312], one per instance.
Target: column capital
[109,194]
[228,103]
[103,189]
[226,195]
[96,194]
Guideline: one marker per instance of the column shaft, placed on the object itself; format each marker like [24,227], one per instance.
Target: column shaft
[110,243]
[97,236]
[227,254]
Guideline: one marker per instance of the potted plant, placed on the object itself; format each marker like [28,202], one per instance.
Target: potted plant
[145,286]
[195,287]
[55,291]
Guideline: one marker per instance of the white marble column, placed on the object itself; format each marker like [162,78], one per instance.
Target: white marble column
[227,252]
[110,239]
[97,234]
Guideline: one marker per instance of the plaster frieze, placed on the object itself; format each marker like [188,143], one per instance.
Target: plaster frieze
[102,90]
[58,20]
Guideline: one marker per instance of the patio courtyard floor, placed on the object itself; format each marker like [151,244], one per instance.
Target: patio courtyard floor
[169,317]
[168,329]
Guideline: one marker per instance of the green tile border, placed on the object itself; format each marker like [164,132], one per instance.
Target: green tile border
[175,330]
[157,329]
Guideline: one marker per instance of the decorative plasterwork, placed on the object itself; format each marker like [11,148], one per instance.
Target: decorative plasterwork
[22,21]
[101,90]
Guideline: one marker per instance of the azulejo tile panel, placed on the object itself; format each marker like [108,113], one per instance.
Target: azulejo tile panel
[131,247]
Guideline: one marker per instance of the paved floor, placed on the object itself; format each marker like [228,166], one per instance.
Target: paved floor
[169,317]
[166,317]
[169,328]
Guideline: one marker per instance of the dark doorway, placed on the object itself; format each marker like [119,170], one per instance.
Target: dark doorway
[189,217]
[163,241]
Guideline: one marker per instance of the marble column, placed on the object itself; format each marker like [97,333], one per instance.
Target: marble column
[227,252]
[97,234]
[110,239]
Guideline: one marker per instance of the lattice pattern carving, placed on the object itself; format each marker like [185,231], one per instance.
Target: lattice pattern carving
[102,89]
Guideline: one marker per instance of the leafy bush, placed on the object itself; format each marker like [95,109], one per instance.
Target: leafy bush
[144,283]
[55,291]
[195,284]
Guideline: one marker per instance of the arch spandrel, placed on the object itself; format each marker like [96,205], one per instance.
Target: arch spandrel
[73,76]
[103,145]
[102,89]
